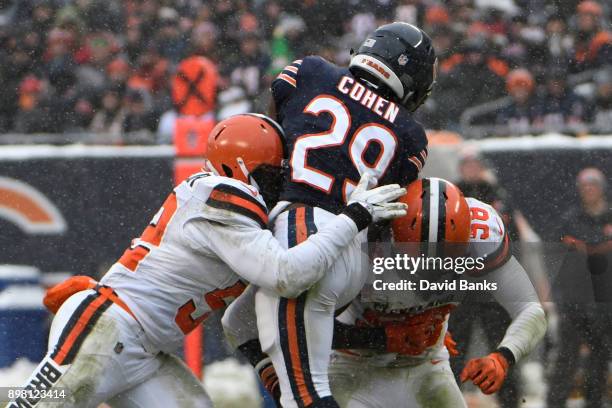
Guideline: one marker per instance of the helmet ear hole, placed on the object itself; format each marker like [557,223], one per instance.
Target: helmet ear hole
[413,225]
[227,170]
[453,226]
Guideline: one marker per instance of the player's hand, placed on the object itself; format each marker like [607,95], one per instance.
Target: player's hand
[415,335]
[488,373]
[57,295]
[451,345]
[378,201]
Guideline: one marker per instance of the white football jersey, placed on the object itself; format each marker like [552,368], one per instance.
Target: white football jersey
[170,287]
[209,233]
[488,239]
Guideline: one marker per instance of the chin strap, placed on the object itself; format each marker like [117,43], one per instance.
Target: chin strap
[246,173]
[209,167]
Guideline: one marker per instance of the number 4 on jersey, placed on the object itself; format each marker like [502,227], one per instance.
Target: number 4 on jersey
[152,235]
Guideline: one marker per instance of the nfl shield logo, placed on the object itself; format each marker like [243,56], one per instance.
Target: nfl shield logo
[402,60]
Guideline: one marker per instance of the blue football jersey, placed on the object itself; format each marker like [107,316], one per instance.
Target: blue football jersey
[339,127]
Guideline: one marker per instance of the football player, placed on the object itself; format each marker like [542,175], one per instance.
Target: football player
[419,375]
[341,122]
[113,341]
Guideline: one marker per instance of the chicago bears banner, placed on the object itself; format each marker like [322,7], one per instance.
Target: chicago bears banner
[74,208]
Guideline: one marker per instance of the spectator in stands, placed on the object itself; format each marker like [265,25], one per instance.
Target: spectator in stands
[203,40]
[110,116]
[138,111]
[117,74]
[95,55]
[520,114]
[602,104]
[559,41]
[583,296]
[471,82]
[169,40]
[75,41]
[558,108]
[33,114]
[593,44]
[252,66]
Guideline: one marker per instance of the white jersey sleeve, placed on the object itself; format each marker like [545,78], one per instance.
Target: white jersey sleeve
[488,236]
[518,296]
[230,226]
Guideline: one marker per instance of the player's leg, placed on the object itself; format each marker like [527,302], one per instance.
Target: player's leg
[566,356]
[434,385]
[239,320]
[598,338]
[90,341]
[297,333]
[422,386]
[172,386]
[348,376]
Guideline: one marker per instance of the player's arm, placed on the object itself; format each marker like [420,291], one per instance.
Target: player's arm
[283,87]
[256,255]
[240,327]
[414,155]
[518,296]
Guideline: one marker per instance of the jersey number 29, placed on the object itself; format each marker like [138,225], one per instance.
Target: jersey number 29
[337,135]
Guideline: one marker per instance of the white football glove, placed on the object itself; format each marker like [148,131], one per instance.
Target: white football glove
[377,200]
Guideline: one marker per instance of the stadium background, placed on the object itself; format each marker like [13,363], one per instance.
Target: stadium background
[103,108]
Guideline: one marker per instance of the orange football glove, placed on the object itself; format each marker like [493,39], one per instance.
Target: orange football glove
[57,295]
[416,334]
[451,345]
[488,373]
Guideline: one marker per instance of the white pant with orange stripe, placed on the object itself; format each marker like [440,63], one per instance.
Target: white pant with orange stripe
[357,384]
[98,353]
[297,333]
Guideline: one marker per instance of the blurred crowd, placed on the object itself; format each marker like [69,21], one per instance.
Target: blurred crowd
[107,66]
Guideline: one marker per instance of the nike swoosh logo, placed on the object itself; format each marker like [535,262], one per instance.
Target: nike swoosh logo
[434,362]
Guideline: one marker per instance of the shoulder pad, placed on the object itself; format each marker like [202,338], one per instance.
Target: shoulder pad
[488,237]
[225,198]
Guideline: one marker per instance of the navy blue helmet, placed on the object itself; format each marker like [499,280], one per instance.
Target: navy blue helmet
[400,58]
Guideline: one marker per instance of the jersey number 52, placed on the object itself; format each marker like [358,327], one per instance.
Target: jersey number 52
[337,135]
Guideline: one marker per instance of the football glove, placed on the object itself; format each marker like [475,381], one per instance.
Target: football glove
[58,294]
[376,201]
[488,373]
[415,335]
[451,345]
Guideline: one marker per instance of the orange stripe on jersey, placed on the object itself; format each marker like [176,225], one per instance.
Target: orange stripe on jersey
[234,199]
[301,231]
[288,79]
[291,68]
[296,363]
